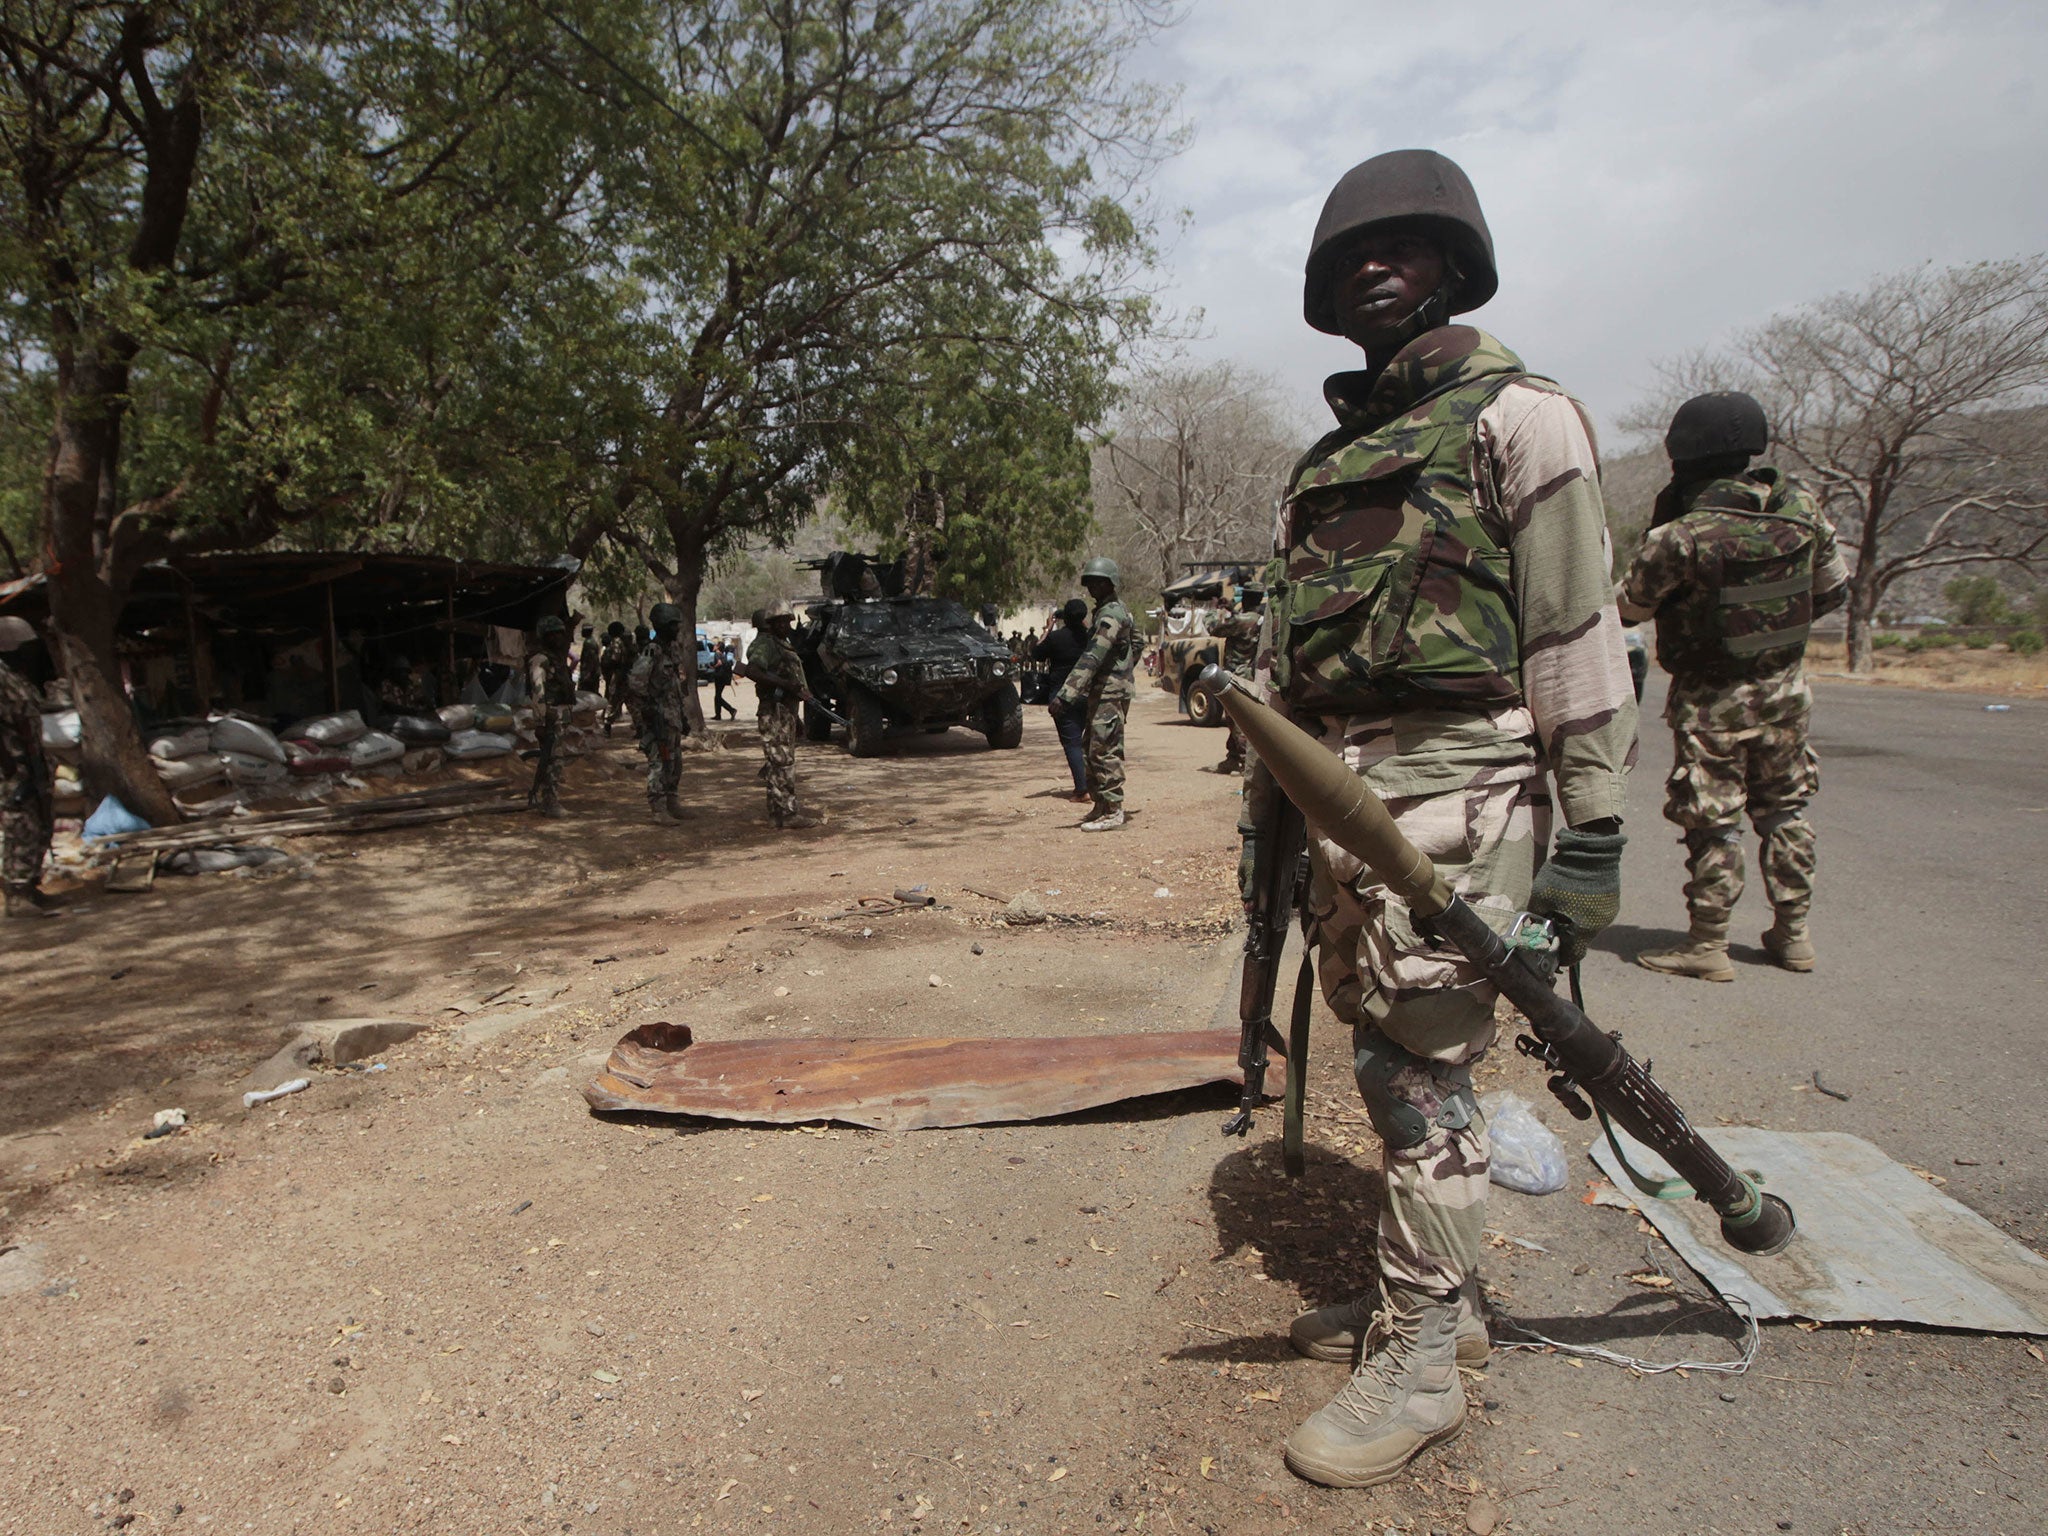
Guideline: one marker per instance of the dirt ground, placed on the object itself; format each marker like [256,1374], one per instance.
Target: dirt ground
[1988,671]
[444,1297]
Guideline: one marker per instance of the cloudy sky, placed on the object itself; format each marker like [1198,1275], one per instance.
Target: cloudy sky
[1656,175]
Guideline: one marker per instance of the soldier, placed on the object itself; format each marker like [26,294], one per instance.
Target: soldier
[1238,625]
[1439,615]
[1737,565]
[655,685]
[777,673]
[589,661]
[1102,677]
[547,681]
[615,665]
[1064,643]
[25,782]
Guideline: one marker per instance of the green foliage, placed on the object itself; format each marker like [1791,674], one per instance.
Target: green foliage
[1886,641]
[1931,640]
[1978,642]
[2026,642]
[1977,600]
[747,580]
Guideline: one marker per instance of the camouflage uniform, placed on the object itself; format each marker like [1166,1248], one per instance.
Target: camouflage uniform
[1103,678]
[1440,616]
[547,681]
[25,812]
[1239,633]
[615,663]
[777,673]
[658,712]
[1739,705]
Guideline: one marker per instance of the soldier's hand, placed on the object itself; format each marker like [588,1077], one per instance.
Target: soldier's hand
[1581,882]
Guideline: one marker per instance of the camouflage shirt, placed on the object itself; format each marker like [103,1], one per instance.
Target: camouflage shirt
[1105,668]
[1532,479]
[658,707]
[775,669]
[1239,633]
[547,679]
[21,725]
[1678,573]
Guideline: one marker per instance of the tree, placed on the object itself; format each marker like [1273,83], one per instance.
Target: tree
[1911,408]
[827,193]
[1195,466]
[1977,600]
[254,253]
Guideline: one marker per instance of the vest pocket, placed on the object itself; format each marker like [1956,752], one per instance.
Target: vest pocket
[1339,631]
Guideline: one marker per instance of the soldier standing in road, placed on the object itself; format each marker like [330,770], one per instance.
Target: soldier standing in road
[1440,616]
[655,685]
[547,682]
[1064,642]
[25,781]
[777,673]
[1737,565]
[589,661]
[1102,678]
[1238,626]
[615,665]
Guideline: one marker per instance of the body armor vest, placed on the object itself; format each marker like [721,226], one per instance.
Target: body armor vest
[1749,606]
[1391,588]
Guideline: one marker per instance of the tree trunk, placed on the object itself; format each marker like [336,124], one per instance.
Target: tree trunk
[1860,653]
[684,589]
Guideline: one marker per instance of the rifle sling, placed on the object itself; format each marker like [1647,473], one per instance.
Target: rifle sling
[1291,1154]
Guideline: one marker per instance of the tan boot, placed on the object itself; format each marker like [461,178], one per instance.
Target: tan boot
[1336,1332]
[1704,954]
[1786,942]
[801,820]
[1107,818]
[661,813]
[1404,1398]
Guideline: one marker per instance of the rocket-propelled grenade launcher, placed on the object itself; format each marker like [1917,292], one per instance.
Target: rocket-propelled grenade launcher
[1336,802]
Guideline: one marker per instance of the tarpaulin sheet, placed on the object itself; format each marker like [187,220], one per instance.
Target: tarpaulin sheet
[1876,1242]
[905,1085]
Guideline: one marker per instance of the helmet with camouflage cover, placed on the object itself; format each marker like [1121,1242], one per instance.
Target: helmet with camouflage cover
[1409,186]
[550,626]
[665,618]
[777,610]
[1101,566]
[1718,425]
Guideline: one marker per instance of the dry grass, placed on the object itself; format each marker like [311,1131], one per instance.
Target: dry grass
[1993,671]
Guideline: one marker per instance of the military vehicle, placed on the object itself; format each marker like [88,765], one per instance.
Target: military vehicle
[892,664]
[1187,646]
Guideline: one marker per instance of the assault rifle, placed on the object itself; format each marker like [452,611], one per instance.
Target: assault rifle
[1583,1058]
[1279,841]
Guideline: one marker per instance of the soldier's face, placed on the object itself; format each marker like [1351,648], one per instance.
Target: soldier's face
[1384,276]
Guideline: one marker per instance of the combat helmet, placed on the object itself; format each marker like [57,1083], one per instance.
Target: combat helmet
[1411,185]
[664,616]
[1102,566]
[614,630]
[550,625]
[1724,423]
[779,609]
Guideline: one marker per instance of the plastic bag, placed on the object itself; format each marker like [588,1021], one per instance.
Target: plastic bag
[1527,1156]
[61,731]
[112,817]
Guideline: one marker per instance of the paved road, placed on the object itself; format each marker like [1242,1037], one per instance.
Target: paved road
[1927,1009]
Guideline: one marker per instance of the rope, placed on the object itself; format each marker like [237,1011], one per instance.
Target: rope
[1734,1306]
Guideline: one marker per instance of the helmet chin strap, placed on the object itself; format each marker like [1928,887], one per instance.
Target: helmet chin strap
[1433,311]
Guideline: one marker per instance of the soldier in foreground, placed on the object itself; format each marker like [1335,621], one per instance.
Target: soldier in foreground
[1440,617]
[25,781]
[615,665]
[655,686]
[1238,628]
[1737,565]
[1101,679]
[777,673]
[548,682]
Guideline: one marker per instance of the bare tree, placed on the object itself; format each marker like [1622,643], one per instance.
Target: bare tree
[1907,407]
[1194,465]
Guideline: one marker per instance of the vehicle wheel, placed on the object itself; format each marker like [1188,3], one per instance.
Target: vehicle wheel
[1204,708]
[865,722]
[816,726]
[1002,719]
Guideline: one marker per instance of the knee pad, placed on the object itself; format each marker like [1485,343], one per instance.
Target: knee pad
[1407,1097]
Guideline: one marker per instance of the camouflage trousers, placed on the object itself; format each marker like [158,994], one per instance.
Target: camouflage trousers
[1767,771]
[778,751]
[552,722]
[664,751]
[25,824]
[1104,755]
[1420,1016]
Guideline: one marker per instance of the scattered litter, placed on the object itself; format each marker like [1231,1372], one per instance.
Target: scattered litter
[524,1205]
[1600,1192]
[1527,1156]
[916,896]
[296,1085]
[111,818]
[1997,709]
[933,980]
[609,1378]
[1162,891]
[1821,1087]
[1520,1242]
[166,1121]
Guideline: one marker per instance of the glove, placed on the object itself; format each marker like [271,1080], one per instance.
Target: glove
[1582,884]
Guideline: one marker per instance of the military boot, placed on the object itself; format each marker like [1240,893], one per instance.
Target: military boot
[1786,942]
[1107,818]
[1704,954]
[1404,1397]
[26,901]
[659,810]
[551,807]
[801,820]
[674,809]
[1335,1332]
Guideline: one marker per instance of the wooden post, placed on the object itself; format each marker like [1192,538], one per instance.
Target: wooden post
[333,656]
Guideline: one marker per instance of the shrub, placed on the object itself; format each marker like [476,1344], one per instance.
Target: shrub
[2026,642]
[1977,642]
[1934,640]
[1885,642]
[1977,600]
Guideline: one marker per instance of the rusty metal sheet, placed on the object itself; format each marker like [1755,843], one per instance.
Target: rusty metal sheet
[905,1085]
